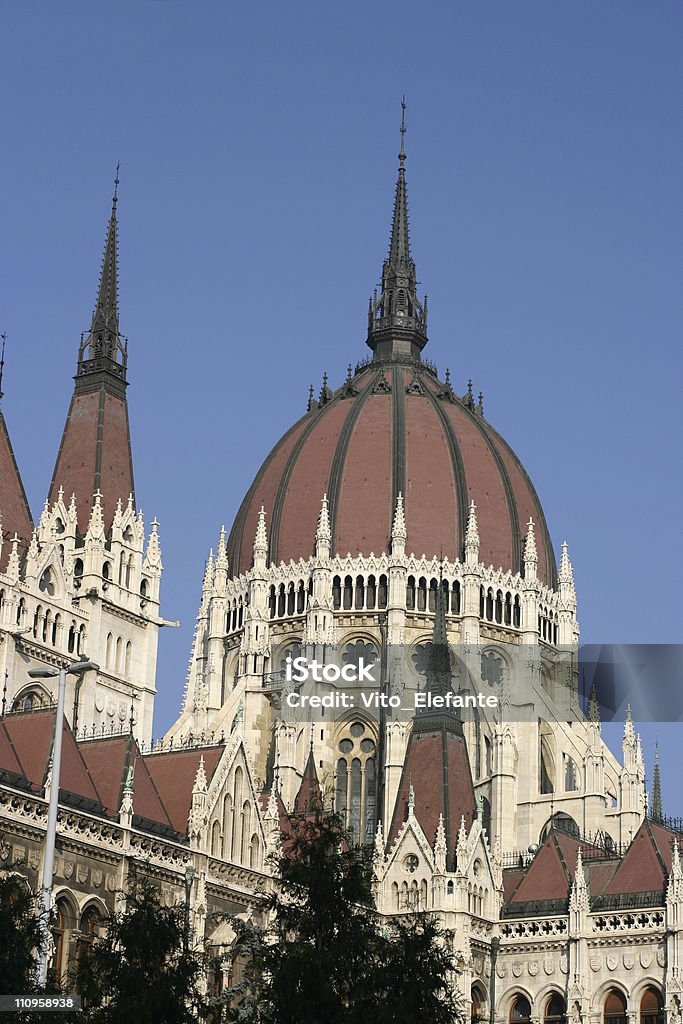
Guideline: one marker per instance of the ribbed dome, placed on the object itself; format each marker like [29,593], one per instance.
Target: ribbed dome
[393,428]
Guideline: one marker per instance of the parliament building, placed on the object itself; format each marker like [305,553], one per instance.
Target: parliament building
[391,516]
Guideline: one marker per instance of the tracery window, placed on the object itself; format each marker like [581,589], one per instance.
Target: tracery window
[356,783]
[520,1011]
[555,1010]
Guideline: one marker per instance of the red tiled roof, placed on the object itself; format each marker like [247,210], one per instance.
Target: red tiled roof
[309,796]
[107,760]
[646,864]
[172,776]
[31,735]
[8,755]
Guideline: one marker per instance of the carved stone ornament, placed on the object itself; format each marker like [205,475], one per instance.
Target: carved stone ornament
[611,961]
[69,866]
[595,962]
[549,966]
[517,968]
[629,961]
[645,958]
[533,968]
[501,970]
[97,878]
[564,964]
[661,957]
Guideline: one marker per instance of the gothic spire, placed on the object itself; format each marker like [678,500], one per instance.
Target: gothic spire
[397,320]
[103,344]
[657,812]
[95,453]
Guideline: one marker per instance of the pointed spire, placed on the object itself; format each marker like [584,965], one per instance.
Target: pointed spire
[397,320]
[379,842]
[565,573]
[323,534]
[96,524]
[656,810]
[530,552]
[580,898]
[200,784]
[440,848]
[629,731]
[261,540]
[398,528]
[153,555]
[594,706]
[472,537]
[104,329]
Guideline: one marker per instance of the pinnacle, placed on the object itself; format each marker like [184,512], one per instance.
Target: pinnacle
[530,552]
[398,529]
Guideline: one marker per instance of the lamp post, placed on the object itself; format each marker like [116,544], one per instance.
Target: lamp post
[189,878]
[75,668]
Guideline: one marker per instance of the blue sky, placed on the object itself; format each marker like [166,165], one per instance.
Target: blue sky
[258,155]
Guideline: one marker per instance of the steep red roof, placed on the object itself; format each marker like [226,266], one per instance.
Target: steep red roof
[107,760]
[172,775]
[646,864]
[31,736]
[438,767]
[16,515]
[8,755]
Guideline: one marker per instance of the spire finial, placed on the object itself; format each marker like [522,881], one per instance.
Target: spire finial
[116,184]
[402,154]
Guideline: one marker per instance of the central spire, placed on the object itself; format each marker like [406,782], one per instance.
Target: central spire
[397,320]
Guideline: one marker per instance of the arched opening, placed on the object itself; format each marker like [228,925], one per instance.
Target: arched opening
[455,598]
[410,594]
[348,593]
[371,593]
[520,1011]
[336,592]
[652,1007]
[478,1005]
[615,1008]
[555,1011]
[382,592]
[422,594]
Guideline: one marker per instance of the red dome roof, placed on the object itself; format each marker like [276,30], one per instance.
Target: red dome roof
[394,428]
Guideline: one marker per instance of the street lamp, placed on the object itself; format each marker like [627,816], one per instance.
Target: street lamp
[75,668]
[189,878]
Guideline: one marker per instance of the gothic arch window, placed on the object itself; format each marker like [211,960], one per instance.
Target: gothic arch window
[281,600]
[371,593]
[499,606]
[21,611]
[508,609]
[382,592]
[245,825]
[56,626]
[108,652]
[481,603]
[336,592]
[240,613]
[78,572]
[489,604]
[356,784]
[555,1010]
[254,851]
[271,606]
[106,571]
[433,588]
[47,582]
[422,594]
[615,1008]
[216,839]
[144,589]
[571,774]
[36,620]
[91,921]
[410,594]
[455,598]
[291,598]
[359,594]
[47,626]
[487,752]
[395,899]
[520,1011]
[236,838]
[129,657]
[652,1007]
[301,598]
[62,933]
[72,637]
[119,649]
[348,593]
[486,817]
[516,613]
[80,640]
[546,759]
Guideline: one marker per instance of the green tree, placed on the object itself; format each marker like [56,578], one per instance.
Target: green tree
[142,970]
[19,936]
[327,957]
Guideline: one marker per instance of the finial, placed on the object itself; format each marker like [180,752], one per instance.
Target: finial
[402,154]
[116,183]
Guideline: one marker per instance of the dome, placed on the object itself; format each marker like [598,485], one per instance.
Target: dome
[393,428]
